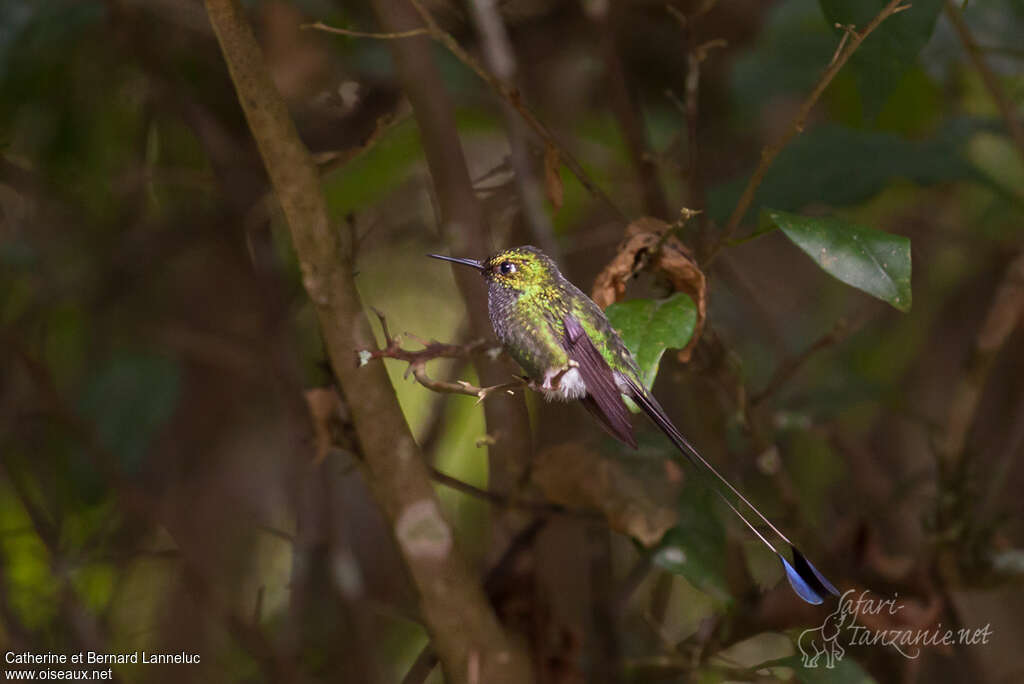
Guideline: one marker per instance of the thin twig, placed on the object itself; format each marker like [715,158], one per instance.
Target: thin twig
[647,255]
[603,649]
[848,30]
[501,60]
[634,578]
[418,358]
[506,91]
[626,110]
[427,659]
[995,89]
[1001,469]
[786,370]
[421,668]
[1003,50]
[506,501]
[853,40]
[320,26]
[512,95]
[696,54]
[1003,316]
[330,160]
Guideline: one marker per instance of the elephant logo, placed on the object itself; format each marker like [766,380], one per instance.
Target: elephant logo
[824,641]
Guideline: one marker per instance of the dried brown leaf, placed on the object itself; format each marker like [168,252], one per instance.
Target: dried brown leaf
[673,261]
[577,478]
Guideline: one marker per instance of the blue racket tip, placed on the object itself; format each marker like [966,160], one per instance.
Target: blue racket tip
[810,574]
[802,588]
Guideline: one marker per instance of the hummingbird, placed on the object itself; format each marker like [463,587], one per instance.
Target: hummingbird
[570,352]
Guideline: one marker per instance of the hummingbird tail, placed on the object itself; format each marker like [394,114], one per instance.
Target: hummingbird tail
[808,583]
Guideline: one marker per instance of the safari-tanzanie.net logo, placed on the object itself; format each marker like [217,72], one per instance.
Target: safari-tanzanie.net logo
[825,645]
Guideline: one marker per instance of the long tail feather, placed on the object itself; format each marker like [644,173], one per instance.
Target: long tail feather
[806,580]
[812,592]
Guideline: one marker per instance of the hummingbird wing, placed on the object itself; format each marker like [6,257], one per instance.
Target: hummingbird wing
[604,398]
[808,583]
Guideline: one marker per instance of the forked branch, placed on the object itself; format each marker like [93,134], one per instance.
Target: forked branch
[418,359]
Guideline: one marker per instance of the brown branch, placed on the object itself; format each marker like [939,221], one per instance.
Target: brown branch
[626,110]
[695,55]
[507,92]
[511,94]
[1004,50]
[320,26]
[496,576]
[632,581]
[501,60]
[506,501]
[789,368]
[331,160]
[462,626]
[694,58]
[850,42]
[992,84]
[418,359]
[1003,316]
[1000,476]
[603,648]
[436,423]
[464,225]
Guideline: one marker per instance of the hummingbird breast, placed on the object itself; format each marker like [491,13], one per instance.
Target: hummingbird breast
[530,328]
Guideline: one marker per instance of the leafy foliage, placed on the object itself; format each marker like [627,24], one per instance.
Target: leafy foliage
[128,400]
[840,166]
[887,54]
[649,327]
[786,57]
[846,671]
[695,548]
[870,260]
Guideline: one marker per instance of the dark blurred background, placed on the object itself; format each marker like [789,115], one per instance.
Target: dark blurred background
[159,485]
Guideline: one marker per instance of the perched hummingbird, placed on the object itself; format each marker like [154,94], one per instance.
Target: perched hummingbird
[569,350]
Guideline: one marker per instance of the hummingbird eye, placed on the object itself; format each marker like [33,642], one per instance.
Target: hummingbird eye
[507,268]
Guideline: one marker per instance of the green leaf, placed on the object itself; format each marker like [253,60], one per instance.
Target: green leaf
[791,48]
[33,589]
[870,260]
[128,400]
[881,61]
[649,327]
[695,548]
[846,670]
[841,166]
[369,178]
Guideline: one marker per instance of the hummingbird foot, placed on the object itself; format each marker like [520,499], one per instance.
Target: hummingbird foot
[484,392]
[563,383]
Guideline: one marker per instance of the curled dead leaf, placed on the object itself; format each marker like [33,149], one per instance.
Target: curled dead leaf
[673,260]
[578,478]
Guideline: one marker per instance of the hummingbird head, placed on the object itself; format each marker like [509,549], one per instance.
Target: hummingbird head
[516,268]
